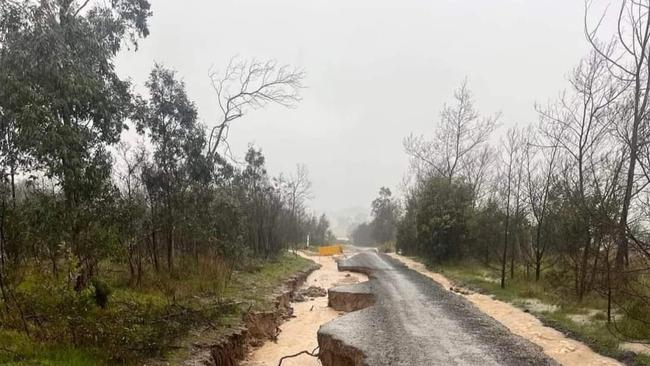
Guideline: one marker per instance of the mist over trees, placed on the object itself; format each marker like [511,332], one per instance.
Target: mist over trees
[565,199]
[382,229]
[74,196]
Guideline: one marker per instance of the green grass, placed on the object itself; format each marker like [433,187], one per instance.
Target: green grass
[148,321]
[256,284]
[17,349]
[595,332]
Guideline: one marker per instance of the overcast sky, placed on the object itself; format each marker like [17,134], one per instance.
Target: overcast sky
[377,70]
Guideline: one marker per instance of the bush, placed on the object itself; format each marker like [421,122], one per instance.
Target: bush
[102,292]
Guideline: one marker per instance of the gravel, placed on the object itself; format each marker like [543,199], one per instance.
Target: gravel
[416,322]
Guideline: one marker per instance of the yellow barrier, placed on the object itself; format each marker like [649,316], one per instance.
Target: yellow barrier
[330,250]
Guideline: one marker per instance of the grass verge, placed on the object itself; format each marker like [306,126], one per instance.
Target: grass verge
[138,322]
[553,305]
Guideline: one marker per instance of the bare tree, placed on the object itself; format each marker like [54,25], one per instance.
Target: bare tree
[628,60]
[510,189]
[541,160]
[459,139]
[580,124]
[298,190]
[246,85]
[478,172]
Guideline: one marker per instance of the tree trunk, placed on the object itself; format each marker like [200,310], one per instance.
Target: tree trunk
[154,251]
[170,249]
[592,280]
[583,268]
[512,255]
[505,253]
[538,251]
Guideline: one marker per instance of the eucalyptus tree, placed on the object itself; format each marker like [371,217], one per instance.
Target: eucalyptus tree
[385,212]
[64,93]
[169,118]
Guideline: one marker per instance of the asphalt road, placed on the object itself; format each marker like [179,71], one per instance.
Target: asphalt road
[416,322]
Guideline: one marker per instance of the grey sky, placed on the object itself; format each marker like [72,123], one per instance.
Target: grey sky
[377,70]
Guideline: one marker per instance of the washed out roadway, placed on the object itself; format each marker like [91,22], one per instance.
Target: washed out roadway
[416,322]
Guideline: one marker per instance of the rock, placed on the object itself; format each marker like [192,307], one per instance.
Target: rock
[460,290]
[309,293]
[298,297]
[628,357]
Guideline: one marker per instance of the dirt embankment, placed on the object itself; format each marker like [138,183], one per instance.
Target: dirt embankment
[299,333]
[564,350]
[257,327]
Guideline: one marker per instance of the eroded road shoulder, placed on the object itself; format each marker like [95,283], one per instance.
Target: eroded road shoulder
[416,322]
[299,332]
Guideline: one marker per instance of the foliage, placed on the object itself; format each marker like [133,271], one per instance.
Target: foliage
[436,223]
[362,234]
[382,229]
[138,322]
[557,309]
[78,204]
[385,212]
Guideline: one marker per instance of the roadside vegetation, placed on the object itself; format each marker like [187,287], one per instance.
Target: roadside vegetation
[147,322]
[585,320]
[381,230]
[110,249]
[556,211]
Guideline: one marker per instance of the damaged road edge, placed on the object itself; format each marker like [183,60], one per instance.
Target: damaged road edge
[347,298]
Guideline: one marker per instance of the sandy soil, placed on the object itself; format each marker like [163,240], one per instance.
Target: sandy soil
[564,350]
[299,333]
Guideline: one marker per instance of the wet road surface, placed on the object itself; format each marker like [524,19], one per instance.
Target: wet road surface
[416,322]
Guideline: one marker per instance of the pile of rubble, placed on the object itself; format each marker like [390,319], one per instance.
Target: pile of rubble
[306,294]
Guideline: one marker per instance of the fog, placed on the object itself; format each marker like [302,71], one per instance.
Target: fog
[376,71]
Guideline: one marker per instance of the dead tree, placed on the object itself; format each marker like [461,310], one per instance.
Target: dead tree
[246,85]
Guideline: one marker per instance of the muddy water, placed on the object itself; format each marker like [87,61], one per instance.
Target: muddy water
[299,333]
[564,350]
